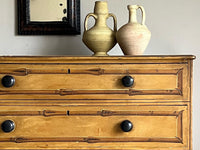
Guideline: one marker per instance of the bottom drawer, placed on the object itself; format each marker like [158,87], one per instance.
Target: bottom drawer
[116,127]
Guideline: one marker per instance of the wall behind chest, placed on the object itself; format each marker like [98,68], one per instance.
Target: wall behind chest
[174,25]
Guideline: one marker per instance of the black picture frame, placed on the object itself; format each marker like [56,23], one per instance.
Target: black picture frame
[71,26]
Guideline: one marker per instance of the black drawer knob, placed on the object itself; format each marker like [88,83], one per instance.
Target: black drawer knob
[8,126]
[126,126]
[8,81]
[127,81]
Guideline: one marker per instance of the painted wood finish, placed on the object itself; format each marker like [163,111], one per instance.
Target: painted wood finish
[71,103]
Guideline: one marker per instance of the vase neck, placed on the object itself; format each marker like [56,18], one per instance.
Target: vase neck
[101,11]
[101,20]
[132,13]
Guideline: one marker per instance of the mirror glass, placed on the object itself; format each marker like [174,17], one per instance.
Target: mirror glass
[48,10]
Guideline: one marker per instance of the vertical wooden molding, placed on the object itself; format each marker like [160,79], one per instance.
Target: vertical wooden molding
[180,126]
[180,81]
[190,80]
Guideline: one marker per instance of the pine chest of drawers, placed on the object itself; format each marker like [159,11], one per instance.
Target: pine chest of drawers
[98,103]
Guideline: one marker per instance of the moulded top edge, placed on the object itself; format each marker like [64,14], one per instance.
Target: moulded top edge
[115,59]
[103,57]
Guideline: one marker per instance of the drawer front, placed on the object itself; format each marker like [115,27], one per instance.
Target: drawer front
[99,81]
[97,127]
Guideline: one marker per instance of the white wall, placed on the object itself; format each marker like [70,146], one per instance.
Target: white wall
[174,25]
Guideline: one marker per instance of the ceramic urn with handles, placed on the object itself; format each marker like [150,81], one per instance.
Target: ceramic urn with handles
[133,37]
[100,38]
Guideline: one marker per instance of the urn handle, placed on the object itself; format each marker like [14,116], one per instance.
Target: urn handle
[86,20]
[143,14]
[115,21]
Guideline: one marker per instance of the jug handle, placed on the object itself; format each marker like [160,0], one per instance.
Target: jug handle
[115,21]
[143,14]
[86,20]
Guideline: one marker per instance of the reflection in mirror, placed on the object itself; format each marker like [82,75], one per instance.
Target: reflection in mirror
[48,10]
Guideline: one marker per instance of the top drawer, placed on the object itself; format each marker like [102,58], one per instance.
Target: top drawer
[99,81]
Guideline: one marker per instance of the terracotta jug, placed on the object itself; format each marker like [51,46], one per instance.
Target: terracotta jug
[134,37]
[100,38]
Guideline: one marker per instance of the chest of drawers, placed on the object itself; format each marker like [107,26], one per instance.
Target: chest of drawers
[98,103]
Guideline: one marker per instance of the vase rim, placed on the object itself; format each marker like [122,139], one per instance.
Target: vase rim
[132,6]
[101,7]
[100,2]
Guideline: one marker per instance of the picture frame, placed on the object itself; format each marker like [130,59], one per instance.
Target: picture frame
[71,25]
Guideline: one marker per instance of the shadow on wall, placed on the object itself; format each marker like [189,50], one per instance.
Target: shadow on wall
[63,46]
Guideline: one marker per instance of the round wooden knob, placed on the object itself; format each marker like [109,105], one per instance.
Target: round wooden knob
[8,126]
[8,81]
[126,126]
[127,81]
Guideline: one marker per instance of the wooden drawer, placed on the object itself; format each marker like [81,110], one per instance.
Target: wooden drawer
[96,127]
[97,81]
